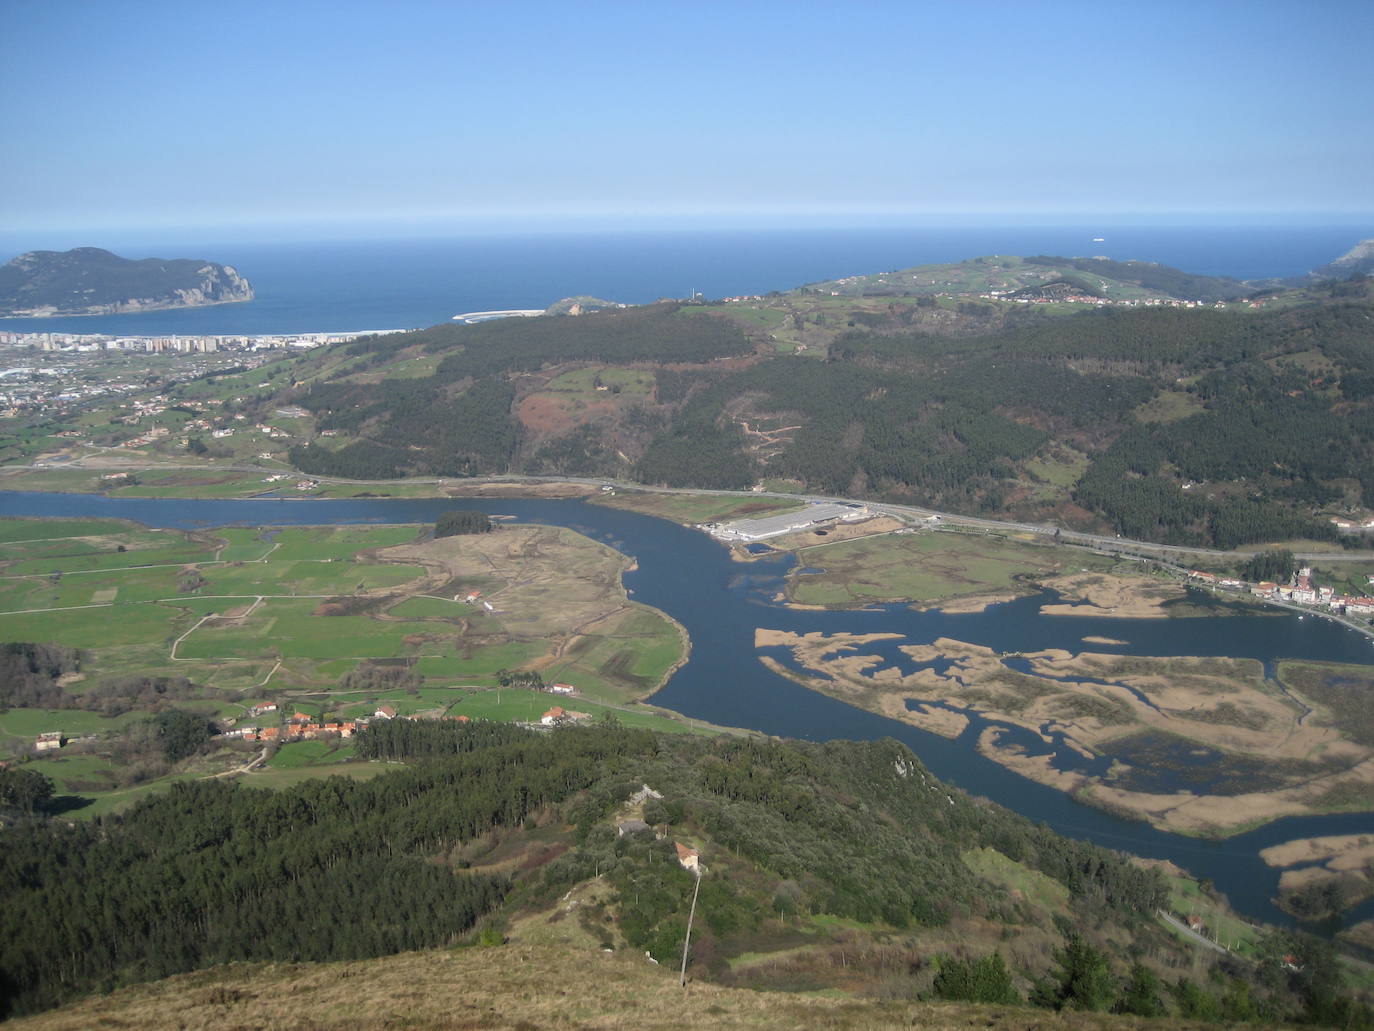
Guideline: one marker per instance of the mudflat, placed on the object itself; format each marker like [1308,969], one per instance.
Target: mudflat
[1198,745]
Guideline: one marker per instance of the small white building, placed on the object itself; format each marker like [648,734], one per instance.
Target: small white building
[690,858]
[49,741]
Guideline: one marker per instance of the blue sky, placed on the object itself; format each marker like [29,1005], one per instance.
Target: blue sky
[138,113]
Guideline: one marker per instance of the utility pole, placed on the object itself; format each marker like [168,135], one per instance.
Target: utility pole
[687,939]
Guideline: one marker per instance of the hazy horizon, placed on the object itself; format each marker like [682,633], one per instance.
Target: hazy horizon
[140,238]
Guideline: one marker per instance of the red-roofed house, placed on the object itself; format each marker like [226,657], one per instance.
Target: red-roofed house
[385,712]
[690,858]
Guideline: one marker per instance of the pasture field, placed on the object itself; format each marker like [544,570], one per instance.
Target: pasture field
[1169,406]
[318,543]
[274,777]
[425,606]
[300,754]
[526,706]
[757,317]
[60,529]
[583,382]
[480,662]
[627,658]
[414,368]
[287,614]
[244,545]
[926,567]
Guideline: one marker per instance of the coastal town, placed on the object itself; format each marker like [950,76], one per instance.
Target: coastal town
[1300,590]
[40,371]
[179,343]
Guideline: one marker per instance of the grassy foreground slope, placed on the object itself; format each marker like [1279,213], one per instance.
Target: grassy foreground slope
[517,987]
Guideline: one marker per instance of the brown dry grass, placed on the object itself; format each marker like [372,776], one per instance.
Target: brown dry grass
[521,987]
[1094,699]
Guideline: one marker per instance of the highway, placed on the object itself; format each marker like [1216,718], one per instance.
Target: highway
[908,513]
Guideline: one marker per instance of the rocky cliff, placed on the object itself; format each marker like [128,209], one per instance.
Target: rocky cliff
[1359,260]
[91,281]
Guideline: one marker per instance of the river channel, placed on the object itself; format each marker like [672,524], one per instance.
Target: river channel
[720,602]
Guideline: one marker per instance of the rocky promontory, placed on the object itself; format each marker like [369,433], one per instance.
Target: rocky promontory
[1359,260]
[92,281]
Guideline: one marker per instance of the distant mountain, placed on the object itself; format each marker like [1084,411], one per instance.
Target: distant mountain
[91,281]
[1359,260]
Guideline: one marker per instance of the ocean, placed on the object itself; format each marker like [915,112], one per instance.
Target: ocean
[404,284]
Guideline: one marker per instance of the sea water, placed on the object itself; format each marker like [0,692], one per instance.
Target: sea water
[343,286]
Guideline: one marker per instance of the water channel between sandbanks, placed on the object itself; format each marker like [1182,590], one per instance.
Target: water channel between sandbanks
[721,602]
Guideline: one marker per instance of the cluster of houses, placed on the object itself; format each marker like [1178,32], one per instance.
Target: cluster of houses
[1301,590]
[304,727]
[300,727]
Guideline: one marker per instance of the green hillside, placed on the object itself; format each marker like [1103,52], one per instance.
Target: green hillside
[838,867]
[1008,274]
[1080,392]
[1194,424]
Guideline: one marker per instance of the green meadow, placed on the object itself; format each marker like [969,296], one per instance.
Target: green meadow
[923,567]
[297,614]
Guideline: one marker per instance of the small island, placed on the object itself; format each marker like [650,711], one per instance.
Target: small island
[92,281]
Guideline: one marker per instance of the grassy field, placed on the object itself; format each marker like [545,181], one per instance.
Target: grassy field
[286,614]
[1169,406]
[302,754]
[516,987]
[925,567]
[48,529]
[515,704]
[29,723]
[583,382]
[1057,470]
[1030,884]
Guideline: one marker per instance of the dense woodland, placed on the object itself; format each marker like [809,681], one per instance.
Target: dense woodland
[212,871]
[1271,426]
